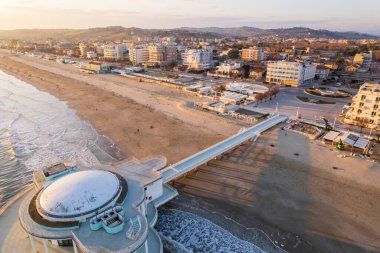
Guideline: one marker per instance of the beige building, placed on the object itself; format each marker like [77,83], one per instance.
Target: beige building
[114,51]
[161,54]
[138,54]
[290,73]
[364,110]
[252,54]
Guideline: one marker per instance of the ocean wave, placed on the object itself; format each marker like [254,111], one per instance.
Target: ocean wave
[186,232]
[41,130]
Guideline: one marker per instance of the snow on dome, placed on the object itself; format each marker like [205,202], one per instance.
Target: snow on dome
[79,193]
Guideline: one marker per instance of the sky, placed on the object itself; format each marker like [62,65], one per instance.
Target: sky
[337,15]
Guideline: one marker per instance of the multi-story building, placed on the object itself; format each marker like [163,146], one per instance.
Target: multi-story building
[114,51]
[253,54]
[83,49]
[197,59]
[290,73]
[138,54]
[364,110]
[161,54]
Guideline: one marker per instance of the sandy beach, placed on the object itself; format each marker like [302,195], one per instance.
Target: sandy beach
[137,128]
[297,191]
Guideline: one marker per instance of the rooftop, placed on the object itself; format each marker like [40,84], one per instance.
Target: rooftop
[79,193]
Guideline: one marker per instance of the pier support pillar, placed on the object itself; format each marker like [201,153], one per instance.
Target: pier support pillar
[146,246]
[45,246]
[32,243]
[75,247]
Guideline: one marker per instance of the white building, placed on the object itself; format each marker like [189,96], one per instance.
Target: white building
[322,72]
[246,88]
[91,55]
[197,59]
[98,209]
[290,73]
[138,54]
[114,51]
[226,68]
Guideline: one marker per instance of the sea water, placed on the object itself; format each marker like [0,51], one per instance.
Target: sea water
[37,130]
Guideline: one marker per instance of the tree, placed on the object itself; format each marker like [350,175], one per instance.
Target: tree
[233,54]
[275,90]
[246,69]
[259,97]
[341,62]
[340,144]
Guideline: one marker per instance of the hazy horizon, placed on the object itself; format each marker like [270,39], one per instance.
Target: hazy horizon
[337,15]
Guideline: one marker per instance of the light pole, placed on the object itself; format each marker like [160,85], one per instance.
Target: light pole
[277,107]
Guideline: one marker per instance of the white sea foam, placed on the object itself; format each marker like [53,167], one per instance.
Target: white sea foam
[195,234]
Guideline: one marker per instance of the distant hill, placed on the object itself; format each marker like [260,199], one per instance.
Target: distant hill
[285,33]
[119,32]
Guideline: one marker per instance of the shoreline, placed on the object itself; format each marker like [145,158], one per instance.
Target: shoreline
[137,129]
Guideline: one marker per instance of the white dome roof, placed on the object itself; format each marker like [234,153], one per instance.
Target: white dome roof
[79,193]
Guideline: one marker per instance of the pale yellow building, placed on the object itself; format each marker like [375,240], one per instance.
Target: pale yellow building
[364,110]
[252,54]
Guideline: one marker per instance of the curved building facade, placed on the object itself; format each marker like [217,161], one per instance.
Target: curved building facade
[97,209]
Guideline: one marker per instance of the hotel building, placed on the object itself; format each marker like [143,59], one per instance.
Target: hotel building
[290,73]
[364,110]
[197,59]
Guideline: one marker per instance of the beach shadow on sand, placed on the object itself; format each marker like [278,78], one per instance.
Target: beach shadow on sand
[301,208]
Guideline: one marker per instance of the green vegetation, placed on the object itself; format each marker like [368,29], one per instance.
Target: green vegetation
[307,100]
[233,54]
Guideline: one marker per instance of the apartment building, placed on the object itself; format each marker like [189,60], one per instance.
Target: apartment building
[114,51]
[197,59]
[364,110]
[161,54]
[253,54]
[290,73]
[138,54]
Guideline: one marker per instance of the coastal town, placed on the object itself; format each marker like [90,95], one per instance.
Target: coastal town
[237,139]
[242,78]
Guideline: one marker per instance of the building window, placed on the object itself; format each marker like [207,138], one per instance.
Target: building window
[360,111]
[363,97]
[361,104]
[373,114]
[375,106]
